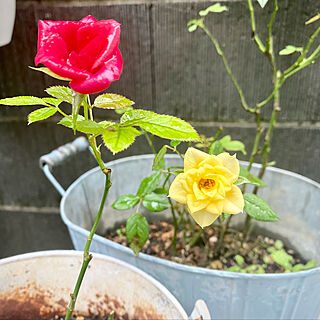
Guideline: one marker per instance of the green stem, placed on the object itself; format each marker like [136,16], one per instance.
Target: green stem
[269,44]
[86,256]
[226,64]
[150,142]
[253,28]
[175,224]
[194,240]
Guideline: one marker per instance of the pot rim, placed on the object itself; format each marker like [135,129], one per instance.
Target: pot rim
[75,253]
[175,265]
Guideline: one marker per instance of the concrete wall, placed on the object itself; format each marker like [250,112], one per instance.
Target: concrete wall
[166,69]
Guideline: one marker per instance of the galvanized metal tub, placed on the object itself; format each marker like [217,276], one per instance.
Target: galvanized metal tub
[38,285]
[228,295]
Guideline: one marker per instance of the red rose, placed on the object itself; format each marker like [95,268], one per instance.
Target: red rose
[85,51]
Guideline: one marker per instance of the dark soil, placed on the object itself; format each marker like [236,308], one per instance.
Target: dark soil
[254,252]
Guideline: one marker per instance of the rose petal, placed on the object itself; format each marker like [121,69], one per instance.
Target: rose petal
[195,205]
[88,19]
[112,43]
[233,202]
[193,157]
[204,218]
[101,80]
[232,163]
[215,207]
[177,189]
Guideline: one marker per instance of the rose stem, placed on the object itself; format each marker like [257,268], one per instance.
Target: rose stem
[86,256]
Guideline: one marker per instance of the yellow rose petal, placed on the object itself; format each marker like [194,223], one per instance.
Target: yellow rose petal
[193,157]
[215,207]
[195,205]
[231,163]
[233,202]
[204,218]
[177,189]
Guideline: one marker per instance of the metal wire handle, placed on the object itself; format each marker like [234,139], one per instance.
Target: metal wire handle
[59,156]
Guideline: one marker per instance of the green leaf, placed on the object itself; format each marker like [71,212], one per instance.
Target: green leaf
[41,114]
[155,202]
[112,101]
[85,126]
[242,180]
[53,101]
[125,202]
[192,28]
[137,232]
[244,173]
[60,92]
[194,23]
[148,184]
[262,3]
[289,50]
[225,216]
[122,111]
[225,140]
[164,126]
[106,124]
[282,258]
[215,148]
[235,145]
[23,101]
[216,8]
[160,191]
[309,265]
[239,259]
[119,138]
[258,209]
[49,73]
[174,143]
[158,162]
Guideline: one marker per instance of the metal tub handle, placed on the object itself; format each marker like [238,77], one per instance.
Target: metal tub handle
[59,156]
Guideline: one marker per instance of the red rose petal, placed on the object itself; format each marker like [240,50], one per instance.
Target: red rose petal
[101,80]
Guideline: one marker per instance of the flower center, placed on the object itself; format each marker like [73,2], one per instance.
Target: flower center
[206,184]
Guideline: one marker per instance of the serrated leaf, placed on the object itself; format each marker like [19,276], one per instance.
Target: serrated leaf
[41,114]
[49,73]
[289,50]
[85,126]
[155,202]
[164,126]
[258,209]
[112,101]
[244,173]
[106,124]
[125,202]
[215,8]
[215,148]
[60,92]
[235,145]
[242,180]
[53,101]
[262,3]
[119,138]
[23,101]
[149,184]
[174,143]
[158,162]
[137,232]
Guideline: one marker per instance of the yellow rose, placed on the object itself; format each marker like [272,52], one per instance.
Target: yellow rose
[207,186]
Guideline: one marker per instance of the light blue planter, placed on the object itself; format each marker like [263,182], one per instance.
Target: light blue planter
[228,295]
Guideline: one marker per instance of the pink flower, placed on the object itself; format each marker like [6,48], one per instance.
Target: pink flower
[85,51]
